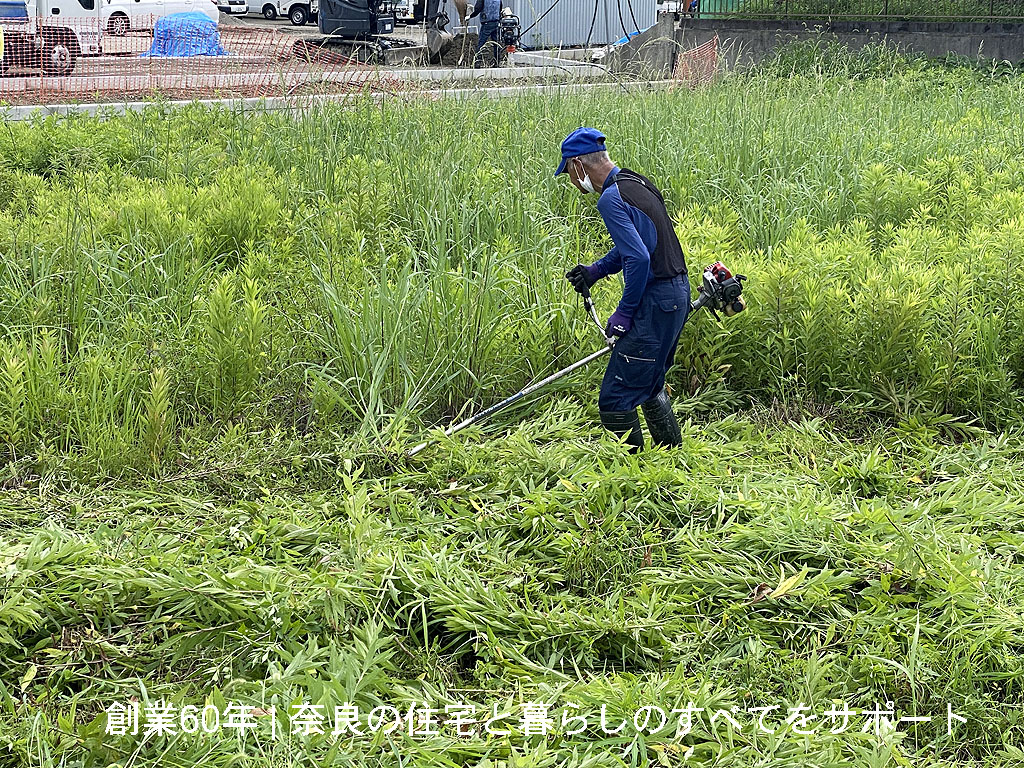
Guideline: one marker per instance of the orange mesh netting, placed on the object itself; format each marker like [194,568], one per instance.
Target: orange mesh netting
[81,62]
[697,66]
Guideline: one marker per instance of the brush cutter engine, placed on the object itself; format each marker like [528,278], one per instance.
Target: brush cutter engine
[720,291]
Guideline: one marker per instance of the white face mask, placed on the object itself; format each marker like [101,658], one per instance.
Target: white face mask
[585,182]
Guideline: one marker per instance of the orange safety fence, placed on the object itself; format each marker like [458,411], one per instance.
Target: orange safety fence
[697,66]
[112,59]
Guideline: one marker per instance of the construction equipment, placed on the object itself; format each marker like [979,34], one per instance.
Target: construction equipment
[353,29]
[509,30]
[506,38]
[361,30]
[439,39]
[720,291]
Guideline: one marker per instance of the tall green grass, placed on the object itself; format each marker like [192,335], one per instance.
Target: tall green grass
[372,270]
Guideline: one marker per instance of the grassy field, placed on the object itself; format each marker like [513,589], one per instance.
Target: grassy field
[220,332]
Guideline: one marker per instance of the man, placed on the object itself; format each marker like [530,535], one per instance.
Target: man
[655,298]
[491,10]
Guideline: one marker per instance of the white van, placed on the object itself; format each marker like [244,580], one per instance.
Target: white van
[119,17]
[239,7]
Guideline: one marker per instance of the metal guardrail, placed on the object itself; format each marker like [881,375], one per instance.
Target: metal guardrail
[853,10]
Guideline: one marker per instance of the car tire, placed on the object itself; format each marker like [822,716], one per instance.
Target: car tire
[118,25]
[269,12]
[298,15]
[58,57]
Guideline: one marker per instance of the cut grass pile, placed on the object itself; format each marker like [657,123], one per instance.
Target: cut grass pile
[760,565]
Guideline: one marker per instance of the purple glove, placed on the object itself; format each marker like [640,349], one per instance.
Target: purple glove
[582,277]
[618,324]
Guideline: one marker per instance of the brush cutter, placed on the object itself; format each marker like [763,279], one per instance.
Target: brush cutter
[720,291]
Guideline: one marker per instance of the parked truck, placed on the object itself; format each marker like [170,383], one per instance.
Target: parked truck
[52,35]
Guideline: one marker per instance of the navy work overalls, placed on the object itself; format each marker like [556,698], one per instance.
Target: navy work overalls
[640,359]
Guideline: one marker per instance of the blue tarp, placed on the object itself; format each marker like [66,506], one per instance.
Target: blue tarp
[186,34]
[622,40]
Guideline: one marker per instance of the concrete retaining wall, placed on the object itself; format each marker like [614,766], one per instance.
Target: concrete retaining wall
[747,42]
[651,52]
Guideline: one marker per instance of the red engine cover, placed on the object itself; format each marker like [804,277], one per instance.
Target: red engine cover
[720,272]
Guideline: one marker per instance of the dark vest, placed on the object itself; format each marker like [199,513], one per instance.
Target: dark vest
[637,190]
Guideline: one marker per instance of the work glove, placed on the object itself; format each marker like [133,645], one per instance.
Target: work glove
[618,324]
[581,277]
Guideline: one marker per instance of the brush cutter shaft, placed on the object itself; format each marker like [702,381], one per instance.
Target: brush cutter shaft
[517,396]
[534,387]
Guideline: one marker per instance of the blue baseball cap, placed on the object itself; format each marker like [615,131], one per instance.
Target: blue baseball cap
[582,141]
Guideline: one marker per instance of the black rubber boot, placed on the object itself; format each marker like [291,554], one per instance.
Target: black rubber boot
[627,423]
[661,421]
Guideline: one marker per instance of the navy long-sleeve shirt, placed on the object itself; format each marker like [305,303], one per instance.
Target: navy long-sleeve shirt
[645,243]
